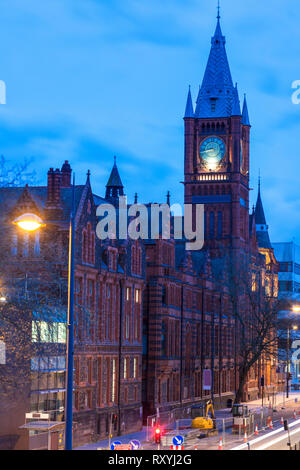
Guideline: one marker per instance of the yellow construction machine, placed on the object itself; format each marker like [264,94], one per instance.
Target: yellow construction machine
[204,418]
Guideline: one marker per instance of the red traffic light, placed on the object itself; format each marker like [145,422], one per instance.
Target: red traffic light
[157,435]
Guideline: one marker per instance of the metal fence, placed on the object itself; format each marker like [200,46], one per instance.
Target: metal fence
[261,418]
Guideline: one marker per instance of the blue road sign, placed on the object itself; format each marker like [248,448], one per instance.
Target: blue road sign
[135,445]
[115,443]
[178,440]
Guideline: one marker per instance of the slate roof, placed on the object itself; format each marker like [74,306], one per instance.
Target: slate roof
[9,198]
[114,179]
[260,218]
[217,86]
[262,235]
[263,240]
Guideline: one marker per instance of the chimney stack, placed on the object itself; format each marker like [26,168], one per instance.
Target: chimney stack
[66,172]
[54,187]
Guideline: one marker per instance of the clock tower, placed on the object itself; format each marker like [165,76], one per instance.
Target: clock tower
[216,166]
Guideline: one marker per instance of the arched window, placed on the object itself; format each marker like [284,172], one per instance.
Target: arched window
[188,351]
[84,246]
[211,225]
[220,224]
[133,260]
[140,261]
[163,338]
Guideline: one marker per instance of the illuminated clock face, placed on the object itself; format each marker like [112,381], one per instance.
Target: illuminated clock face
[212,151]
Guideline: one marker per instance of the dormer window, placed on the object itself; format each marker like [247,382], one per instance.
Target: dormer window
[213,102]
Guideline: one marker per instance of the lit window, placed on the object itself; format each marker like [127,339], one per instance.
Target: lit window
[114,377]
[2,353]
[125,368]
[135,367]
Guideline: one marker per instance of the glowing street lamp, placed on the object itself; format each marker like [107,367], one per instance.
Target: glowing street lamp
[29,222]
[296,308]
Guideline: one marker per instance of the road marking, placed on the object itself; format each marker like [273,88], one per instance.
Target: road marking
[275,441]
[266,436]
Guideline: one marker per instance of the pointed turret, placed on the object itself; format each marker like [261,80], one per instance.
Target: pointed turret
[217,92]
[245,115]
[261,226]
[236,108]
[189,109]
[114,187]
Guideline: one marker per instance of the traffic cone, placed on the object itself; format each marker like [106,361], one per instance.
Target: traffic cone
[245,437]
[295,416]
[196,448]
[271,424]
[281,421]
[220,444]
[256,430]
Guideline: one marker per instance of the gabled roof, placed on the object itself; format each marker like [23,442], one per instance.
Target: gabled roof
[9,198]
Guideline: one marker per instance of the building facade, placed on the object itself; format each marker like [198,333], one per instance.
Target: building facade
[152,319]
[109,283]
[190,326]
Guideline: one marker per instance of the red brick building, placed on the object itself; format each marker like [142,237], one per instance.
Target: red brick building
[109,282]
[189,325]
[150,316]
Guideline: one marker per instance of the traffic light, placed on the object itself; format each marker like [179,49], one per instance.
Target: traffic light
[262,381]
[289,376]
[157,435]
[115,419]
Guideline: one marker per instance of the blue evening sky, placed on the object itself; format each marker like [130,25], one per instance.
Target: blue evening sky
[90,79]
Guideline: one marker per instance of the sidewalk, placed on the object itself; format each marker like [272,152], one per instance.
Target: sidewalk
[279,400]
[140,436]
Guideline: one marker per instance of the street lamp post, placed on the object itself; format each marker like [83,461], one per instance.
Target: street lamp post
[287,361]
[70,337]
[31,222]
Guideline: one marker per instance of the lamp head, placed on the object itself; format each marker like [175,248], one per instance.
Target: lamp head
[29,222]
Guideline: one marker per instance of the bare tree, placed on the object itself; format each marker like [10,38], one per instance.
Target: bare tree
[15,174]
[251,287]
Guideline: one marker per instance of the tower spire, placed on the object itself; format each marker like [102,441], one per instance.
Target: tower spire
[260,221]
[114,187]
[218,8]
[217,92]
